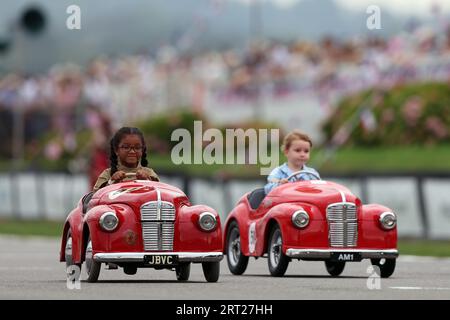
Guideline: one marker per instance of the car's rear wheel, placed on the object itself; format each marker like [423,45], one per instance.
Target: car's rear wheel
[92,267]
[237,262]
[277,260]
[211,271]
[334,268]
[386,266]
[183,270]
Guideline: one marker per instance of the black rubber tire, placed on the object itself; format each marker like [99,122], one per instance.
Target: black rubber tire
[211,271]
[276,259]
[92,267]
[387,266]
[237,262]
[183,271]
[130,270]
[334,268]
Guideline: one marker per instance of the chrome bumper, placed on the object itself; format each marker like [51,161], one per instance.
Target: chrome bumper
[139,256]
[326,253]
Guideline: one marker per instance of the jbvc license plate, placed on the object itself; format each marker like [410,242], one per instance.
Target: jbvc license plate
[346,256]
[161,260]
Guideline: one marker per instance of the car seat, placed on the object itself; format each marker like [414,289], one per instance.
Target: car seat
[86,199]
[256,197]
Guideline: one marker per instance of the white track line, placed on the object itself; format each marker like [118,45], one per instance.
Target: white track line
[418,288]
[407,258]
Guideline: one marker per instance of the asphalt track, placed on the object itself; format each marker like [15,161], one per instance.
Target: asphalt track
[30,269]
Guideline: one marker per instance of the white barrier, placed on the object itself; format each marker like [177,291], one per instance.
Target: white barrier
[5,196]
[26,197]
[53,196]
[437,193]
[400,195]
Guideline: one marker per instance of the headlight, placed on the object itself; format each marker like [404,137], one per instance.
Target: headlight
[207,221]
[109,221]
[300,218]
[388,220]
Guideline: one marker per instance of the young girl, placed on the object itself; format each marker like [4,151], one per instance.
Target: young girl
[296,147]
[128,154]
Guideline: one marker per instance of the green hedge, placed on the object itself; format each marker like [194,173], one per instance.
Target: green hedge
[405,115]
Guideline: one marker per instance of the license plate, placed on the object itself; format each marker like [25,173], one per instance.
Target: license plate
[346,256]
[161,260]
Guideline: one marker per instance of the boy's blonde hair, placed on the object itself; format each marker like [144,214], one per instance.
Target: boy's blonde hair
[292,136]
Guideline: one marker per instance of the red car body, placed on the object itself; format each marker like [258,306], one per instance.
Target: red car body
[156,227]
[340,229]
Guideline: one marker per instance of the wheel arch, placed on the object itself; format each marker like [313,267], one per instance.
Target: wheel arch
[86,233]
[62,252]
[269,226]
[225,233]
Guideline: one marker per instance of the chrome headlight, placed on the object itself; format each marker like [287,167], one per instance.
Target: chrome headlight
[207,221]
[300,218]
[109,221]
[388,220]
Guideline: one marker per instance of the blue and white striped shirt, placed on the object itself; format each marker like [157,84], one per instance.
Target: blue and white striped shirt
[283,172]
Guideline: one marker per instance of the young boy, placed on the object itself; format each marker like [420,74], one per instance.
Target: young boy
[296,147]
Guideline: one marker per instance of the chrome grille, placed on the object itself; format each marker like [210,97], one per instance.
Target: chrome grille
[158,236]
[342,224]
[150,212]
[157,219]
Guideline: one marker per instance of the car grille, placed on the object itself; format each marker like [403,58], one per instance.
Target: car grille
[157,219]
[342,224]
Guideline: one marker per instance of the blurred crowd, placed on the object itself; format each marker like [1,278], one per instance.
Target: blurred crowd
[112,92]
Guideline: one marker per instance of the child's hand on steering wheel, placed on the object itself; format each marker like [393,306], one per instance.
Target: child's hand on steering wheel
[142,175]
[118,176]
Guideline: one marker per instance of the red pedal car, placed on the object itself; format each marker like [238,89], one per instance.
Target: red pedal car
[142,224]
[310,220]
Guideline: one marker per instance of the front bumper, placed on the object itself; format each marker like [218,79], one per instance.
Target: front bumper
[118,257]
[326,253]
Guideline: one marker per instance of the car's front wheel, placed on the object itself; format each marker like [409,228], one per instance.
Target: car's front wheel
[130,270]
[183,270]
[277,260]
[386,266]
[211,271]
[334,268]
[237,262]
[92,266]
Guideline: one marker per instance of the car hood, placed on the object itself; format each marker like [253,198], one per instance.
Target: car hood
[136,193]
[319,193]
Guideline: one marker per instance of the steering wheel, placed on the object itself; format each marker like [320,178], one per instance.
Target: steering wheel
[133,175]
[296,176]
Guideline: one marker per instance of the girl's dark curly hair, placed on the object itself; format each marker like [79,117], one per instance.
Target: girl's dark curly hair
[115,141]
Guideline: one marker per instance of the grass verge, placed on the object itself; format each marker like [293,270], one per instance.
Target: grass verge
[435,248]
[31,227]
